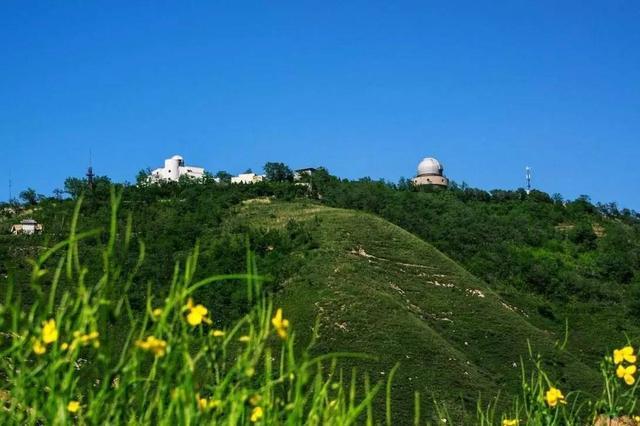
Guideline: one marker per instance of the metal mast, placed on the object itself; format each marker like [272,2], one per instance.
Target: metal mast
[527,171]
[90,174]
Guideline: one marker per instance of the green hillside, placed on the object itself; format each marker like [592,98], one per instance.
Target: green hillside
[380,290]
[451,285]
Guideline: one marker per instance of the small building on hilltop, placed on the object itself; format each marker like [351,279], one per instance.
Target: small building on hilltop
[430,172]
[300,173]
[247,178]
[173,169]
[26,227]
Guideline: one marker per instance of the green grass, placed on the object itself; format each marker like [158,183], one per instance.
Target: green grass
[384,329]
[56,369]
[379,290]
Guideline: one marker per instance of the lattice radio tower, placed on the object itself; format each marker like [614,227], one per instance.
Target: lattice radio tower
[90,174]
[527,174]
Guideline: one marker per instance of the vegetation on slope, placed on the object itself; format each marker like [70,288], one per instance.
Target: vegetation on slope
[379,290]
[546,259]
[174,367]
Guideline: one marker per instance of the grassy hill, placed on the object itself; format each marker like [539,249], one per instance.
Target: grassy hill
[380,290]
[362,260]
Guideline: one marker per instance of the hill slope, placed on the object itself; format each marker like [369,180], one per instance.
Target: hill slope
[377,289]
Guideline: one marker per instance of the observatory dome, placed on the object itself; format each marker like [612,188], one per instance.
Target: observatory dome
[430,166]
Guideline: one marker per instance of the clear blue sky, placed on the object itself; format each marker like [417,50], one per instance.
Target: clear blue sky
[364,88]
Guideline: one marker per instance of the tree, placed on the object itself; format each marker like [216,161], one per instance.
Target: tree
[30,197]
[58,193]
[142,178]
[278,172]
[223,176]
[74,186]
[583,235]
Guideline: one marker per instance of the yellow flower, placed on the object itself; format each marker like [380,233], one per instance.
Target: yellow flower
[256,414]
[49,331]
[39,348]
[255,400]
[197,314]
[554,396]
[624,354]
[153,344]
[281,325]
[510,422]
[627,373]
[217,333]
[73,406]
[244,339]
[84,339]
[156,313]
[202,403]
[206,404]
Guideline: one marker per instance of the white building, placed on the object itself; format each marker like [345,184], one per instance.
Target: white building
[27,227]
[247,178]
[430,172]
[300,173]
[173,169]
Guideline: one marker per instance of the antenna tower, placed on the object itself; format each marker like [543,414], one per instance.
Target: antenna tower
[528,177]
[90,174]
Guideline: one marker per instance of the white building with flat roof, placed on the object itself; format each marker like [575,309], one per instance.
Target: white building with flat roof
[173,169]
[27,227]
[247,178]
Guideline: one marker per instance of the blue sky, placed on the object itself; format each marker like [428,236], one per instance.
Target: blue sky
[364,88]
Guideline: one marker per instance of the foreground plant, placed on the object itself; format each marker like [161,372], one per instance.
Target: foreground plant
[619,396]
[172,366]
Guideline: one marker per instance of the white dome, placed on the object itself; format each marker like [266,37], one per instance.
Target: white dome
[177,157]
[430,166]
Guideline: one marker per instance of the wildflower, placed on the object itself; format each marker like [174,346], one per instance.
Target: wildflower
[627,373]
[84,339]
[281,325]
[156,313]
[49,331]
[244,339]
[39,348]
[217,333]
[255,400]
[624,354]
[553,396]
[202,403]
[197,314]
[153,344]
[510,422]
[206,404]
[73,406]
[256,414]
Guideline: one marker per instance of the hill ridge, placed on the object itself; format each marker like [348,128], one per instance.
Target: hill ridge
[377,288]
